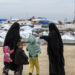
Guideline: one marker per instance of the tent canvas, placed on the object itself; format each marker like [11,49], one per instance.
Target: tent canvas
[3,19]
[44,22]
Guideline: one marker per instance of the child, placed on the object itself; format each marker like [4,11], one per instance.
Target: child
[20,58]
[34,50]
[7,59]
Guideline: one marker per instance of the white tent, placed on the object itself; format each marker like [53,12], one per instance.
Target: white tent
[27,31]
[68,37]
[5,26]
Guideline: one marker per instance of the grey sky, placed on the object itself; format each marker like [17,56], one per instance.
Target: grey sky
[53,9]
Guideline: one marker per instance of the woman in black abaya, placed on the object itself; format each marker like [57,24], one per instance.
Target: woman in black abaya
[11,40]
[55,51]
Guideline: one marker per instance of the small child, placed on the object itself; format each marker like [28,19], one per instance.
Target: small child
[20,58]
[34,49]
[7,59]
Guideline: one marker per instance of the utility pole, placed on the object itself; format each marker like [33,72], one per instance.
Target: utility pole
[74,10]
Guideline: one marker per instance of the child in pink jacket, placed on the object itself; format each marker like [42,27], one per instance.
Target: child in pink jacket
[7,59]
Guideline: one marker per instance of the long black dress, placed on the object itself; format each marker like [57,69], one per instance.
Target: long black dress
[11,40]
[55,51]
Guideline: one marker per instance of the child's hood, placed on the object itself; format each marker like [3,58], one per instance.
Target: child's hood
[5,48]
[32,39]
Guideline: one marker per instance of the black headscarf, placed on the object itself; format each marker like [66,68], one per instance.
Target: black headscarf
[52,27]
[12,36]
[11,40]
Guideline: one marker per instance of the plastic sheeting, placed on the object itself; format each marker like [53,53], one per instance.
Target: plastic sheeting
[44,22]
[68,37]
[5,26]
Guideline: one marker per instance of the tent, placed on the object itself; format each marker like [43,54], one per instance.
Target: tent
[42,18]
[3,19]
[44,22]
[68,37]
[0,22]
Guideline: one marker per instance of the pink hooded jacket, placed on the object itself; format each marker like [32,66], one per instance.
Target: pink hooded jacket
[7,55]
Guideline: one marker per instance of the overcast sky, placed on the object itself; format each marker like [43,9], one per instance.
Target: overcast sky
[53,9]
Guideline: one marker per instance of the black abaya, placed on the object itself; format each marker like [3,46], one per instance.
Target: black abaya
[11,40]
[55,51]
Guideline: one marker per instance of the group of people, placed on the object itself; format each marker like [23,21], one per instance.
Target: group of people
[15,57]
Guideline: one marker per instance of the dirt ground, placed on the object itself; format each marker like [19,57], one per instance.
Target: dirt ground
[69,54]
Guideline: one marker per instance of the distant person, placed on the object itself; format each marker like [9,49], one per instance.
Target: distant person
[20,58]
[34,49]
[55,51]
[11,40]
[7,59]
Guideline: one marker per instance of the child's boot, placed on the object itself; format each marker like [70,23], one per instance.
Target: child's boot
[30,73]
[21,72]
[15,73]
[6,73]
